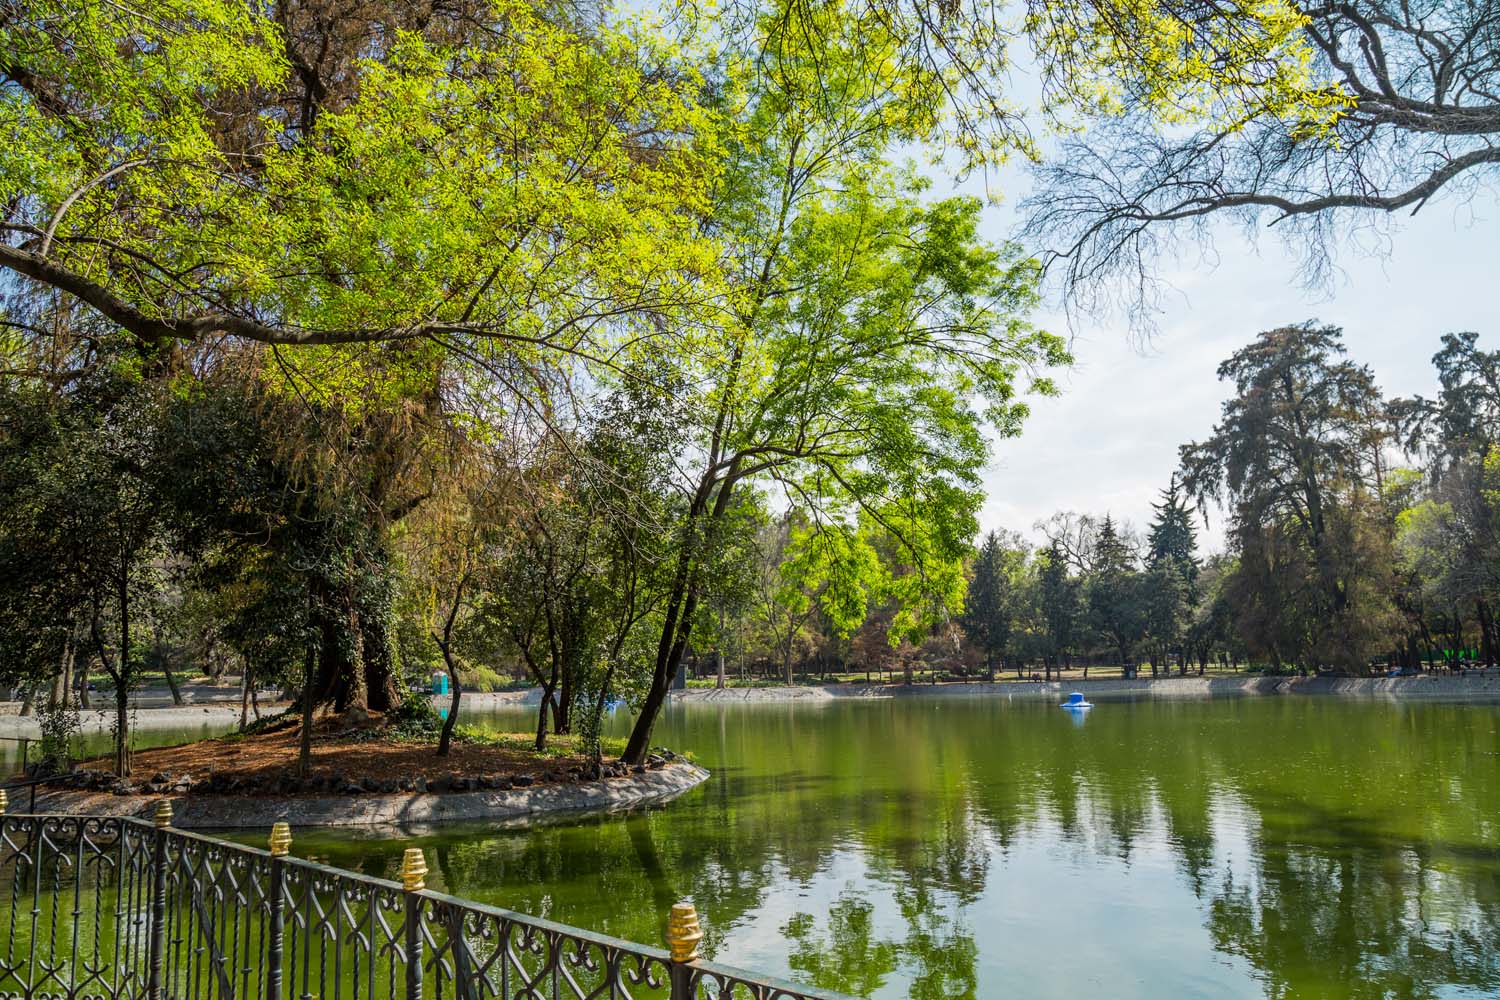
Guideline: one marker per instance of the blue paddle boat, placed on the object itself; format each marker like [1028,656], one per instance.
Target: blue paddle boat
[1075,703]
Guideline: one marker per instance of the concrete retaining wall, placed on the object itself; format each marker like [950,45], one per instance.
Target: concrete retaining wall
[1475,686]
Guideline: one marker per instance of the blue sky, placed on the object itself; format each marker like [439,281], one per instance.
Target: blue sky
[1109,443]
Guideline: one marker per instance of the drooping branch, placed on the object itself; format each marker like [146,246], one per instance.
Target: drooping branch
[1424,123]
[202,325]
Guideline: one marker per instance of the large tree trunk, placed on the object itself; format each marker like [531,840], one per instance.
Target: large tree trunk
[562,716]
[57,697]
[677,618]
[382,686]
[122,734]
[355,659]
[682,605]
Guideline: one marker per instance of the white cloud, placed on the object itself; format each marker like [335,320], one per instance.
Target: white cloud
[1109,443]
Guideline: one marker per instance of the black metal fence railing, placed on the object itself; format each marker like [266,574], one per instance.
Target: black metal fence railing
[108,907]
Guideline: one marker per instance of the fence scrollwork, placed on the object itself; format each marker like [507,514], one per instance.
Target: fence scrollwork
[121,909]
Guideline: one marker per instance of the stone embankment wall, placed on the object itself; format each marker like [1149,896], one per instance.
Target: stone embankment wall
[515,807]
[1474,686]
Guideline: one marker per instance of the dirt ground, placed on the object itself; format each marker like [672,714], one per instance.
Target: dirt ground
[273,754]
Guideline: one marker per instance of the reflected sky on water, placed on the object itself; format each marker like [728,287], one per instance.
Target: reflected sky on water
[929,847]
[933,848]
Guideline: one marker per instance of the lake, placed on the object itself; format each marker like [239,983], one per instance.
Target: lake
[937,848]
[943,847]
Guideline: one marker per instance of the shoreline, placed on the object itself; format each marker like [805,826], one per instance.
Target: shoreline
[1478,686]
[100,720]
[509,808]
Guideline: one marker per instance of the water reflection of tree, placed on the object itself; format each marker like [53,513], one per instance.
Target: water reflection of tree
[1324,805]
[841,950]
[1364,923]
[838,950]
[940,948]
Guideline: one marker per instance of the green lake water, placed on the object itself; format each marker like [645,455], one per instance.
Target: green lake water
[935,848]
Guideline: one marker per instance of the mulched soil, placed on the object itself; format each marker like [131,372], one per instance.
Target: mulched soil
[265,763]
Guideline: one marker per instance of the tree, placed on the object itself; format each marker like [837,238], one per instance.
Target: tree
[1171,539]
[734,581]
[568,578]
[1170,584]
[990,606]
[1212,625]
[837,572]
[445,558]
[871,335]
[331,188]
[1115,600]
[202,171]
[782,605]
[81,530]
[1177,61]
[1459,525]
[1165,610]
[1058,601]
[38,602]
[288,506]
[1320,119]
[1297,457]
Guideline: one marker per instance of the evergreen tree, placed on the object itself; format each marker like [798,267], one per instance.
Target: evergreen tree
[1171,581]
[1172,538]
[1058,603]
[1114,594]
[987,613]
[1297,461]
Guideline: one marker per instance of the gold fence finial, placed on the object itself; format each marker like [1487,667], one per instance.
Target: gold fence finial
[683,932]
[281,840]
[163,817]
[413,870]
[4,801]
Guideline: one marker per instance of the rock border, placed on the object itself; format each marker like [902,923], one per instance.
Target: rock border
[514,807]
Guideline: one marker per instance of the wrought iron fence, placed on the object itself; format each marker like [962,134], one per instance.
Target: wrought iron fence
[118,908]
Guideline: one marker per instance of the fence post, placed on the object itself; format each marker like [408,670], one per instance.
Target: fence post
[683,935]
[4,802]
[156,930]
[413,880]
[281,846]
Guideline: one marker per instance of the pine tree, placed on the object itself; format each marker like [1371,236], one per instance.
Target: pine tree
[987,615]
[1058,594]
[1114,594]
[1171,581]
[1172,537]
